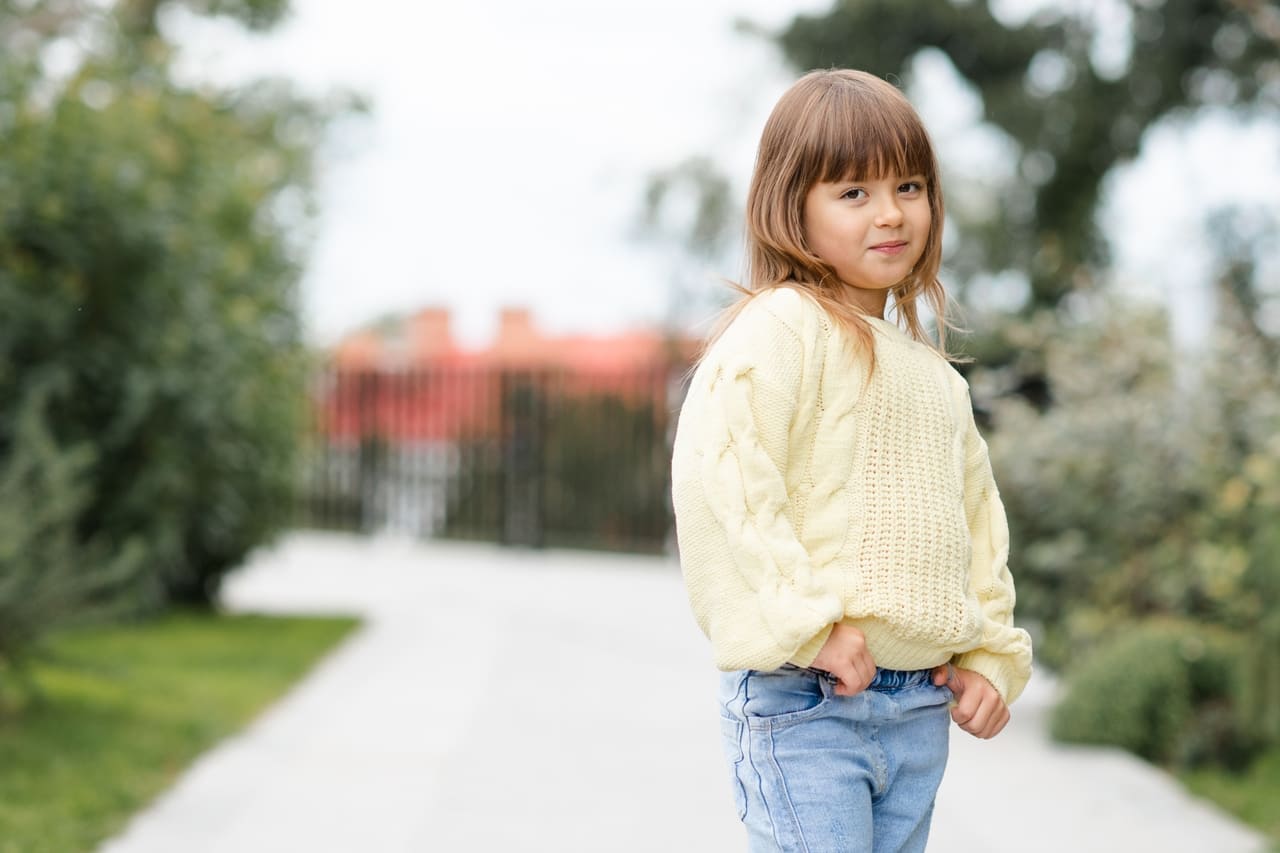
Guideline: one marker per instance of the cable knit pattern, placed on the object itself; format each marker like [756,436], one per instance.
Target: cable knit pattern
[807,493]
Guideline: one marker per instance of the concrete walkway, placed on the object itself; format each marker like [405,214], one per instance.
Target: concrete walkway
[501,700]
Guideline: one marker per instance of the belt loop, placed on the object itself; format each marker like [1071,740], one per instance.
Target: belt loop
[828,682]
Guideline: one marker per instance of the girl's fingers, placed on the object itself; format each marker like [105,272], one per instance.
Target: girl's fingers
[967,703]
[849,688]
[999,722]
[990,719]
[849,678]
[978,708]
[856,677]
[866,670]
[977,723]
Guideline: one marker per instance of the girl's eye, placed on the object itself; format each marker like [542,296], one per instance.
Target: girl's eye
[853,194]
[910,187]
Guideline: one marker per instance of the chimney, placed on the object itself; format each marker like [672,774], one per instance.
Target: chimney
[515,327]
[429,330]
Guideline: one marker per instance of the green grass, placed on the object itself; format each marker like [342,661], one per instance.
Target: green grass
[1252,796]
[125,709]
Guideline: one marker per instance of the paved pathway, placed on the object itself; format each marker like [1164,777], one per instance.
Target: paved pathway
[505,700]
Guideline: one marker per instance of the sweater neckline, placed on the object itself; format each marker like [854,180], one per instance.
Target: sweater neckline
[884,324]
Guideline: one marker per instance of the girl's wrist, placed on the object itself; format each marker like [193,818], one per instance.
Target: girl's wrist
[805,654]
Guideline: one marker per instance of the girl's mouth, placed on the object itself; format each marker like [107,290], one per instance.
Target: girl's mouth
[890,248]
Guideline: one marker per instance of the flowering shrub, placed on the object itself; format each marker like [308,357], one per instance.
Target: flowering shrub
[1149,487]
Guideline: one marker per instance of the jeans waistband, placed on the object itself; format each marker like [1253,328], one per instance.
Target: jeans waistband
[891,679]
[885,679]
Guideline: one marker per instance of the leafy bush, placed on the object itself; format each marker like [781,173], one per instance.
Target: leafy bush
[44,580]
[1164,691]
[1146,491]
[1097,487]
[142,279]
[151,361]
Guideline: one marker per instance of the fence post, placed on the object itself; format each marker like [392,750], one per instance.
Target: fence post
[522,458]
[371,451]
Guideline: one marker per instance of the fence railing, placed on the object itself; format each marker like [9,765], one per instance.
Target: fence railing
[547,457]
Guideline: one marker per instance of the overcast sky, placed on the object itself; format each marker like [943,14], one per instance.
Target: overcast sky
[506,154]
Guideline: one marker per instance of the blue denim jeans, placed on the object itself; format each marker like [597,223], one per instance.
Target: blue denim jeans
[814,772]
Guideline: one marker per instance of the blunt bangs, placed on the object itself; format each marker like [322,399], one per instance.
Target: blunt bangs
[865,132]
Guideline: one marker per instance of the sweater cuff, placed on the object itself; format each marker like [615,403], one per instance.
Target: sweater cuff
[1000,670]
[805,654]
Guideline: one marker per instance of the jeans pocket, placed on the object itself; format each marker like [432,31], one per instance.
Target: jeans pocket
[731,738]
[784,696]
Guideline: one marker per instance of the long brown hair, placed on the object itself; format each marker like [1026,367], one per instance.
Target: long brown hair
[836,125]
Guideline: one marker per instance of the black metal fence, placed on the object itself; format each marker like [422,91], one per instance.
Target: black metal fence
[522,457]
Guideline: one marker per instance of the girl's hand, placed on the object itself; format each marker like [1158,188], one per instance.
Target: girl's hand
[845,656]
[979,709]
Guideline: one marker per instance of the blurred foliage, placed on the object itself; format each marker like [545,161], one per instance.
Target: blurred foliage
[1149,489]
[43,582]
[1092,517]
[688,210]
[150,351]
[1251,795]
[1163,691]
[708,199]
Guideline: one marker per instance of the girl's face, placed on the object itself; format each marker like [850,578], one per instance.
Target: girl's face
[871,232]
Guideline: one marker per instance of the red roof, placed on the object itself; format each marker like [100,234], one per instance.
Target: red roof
[408,378]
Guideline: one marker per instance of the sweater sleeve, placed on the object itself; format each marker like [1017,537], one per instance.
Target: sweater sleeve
[750,580]
[1004,656]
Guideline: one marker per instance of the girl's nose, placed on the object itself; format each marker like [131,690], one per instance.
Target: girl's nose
[889,214]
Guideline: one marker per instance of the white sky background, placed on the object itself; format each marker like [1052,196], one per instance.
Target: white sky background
[506,154]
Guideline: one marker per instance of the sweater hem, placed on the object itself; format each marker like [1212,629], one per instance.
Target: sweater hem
[891,651]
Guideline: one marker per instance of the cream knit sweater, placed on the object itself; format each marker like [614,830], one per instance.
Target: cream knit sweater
[806,494]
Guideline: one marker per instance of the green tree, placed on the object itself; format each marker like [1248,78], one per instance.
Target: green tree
[151,237]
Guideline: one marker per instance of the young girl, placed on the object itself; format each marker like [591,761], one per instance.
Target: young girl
[842,539]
